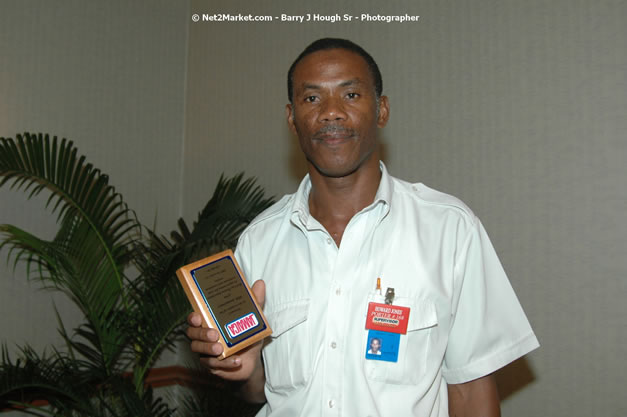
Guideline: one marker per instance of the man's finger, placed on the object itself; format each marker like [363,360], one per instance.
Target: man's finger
[202,334]
[259,291]
[211,349]
[228,364]
[194,319]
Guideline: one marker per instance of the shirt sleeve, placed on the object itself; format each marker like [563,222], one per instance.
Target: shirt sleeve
[489,327]
[243,256]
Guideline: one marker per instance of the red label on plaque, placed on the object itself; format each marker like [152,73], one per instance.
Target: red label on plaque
[242,325]
[387,318]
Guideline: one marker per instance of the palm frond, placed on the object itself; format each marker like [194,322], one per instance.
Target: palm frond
[120,400]
[34,163]
[33,377]
[75,264]
[95,240]
[160,311]
[234,204]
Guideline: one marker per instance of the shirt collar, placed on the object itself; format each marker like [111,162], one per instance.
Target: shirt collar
[300,208]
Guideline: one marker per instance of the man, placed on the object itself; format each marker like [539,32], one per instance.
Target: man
[325,250]
[375,346]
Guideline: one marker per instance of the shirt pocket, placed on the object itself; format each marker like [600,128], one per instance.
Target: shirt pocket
[415,347]
[287,353]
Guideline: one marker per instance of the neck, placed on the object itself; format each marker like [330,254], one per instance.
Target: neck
[334,201]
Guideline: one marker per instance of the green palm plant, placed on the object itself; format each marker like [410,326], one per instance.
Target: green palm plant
[129,320]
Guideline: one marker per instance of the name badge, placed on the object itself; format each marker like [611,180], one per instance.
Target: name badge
[387,318]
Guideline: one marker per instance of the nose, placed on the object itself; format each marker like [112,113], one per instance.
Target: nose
[332,110]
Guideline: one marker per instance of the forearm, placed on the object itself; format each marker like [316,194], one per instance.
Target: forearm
[478,398]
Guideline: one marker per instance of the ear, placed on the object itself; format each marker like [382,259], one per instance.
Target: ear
[384,111]
[289,114]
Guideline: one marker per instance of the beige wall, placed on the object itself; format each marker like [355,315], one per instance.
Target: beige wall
[111,77]
[518,108]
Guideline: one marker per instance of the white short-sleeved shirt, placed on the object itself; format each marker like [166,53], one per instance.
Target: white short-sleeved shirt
[465,320]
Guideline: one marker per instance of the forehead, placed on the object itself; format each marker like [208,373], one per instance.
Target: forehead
[333,65]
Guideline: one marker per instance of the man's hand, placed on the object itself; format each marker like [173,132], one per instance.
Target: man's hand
[478,398]
[245,365]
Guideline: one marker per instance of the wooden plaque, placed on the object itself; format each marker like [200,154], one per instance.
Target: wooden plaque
[217,289]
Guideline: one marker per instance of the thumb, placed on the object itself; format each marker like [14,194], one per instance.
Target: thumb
[259,291]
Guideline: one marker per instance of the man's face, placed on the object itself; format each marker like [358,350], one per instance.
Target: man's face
[375,345]
[335,112]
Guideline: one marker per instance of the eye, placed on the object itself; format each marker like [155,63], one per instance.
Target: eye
[311,99]
[352,96]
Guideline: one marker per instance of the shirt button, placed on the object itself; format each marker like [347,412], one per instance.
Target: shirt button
[333,345]
[338,291]
[329,240]
[331,403]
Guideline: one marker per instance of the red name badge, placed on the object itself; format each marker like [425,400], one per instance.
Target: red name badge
[387,318]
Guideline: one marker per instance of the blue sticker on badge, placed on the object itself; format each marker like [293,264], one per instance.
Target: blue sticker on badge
[382,346]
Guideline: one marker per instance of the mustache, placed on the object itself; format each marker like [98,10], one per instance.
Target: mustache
[334,129]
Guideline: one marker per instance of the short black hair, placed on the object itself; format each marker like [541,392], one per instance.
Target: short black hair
[336,43]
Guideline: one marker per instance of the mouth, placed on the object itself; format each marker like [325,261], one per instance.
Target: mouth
[333,134]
